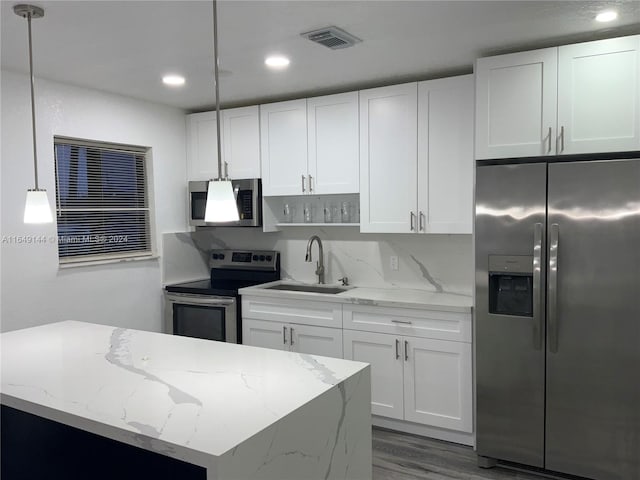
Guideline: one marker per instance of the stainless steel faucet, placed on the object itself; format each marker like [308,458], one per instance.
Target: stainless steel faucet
[320,263]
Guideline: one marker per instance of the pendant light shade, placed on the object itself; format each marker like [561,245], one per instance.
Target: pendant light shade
[37,208]
[221,204]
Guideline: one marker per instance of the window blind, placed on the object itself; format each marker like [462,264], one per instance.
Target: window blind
[102,201]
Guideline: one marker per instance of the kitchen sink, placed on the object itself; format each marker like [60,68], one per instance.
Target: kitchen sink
[308,288]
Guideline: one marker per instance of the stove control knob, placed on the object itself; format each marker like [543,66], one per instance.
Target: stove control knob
[215,256]
[221,256]
[255,258]
[262,258]
[269,258]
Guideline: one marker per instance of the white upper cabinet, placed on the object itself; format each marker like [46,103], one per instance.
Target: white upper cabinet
[416,157]
[445,155]
[599,96]
[581,98]
[388,158]
[241,141]
[310,146]
[333,162]
[516,104]
[202,150]
[283,142]
[240,144]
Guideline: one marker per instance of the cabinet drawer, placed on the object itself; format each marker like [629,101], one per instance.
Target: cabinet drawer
[415,323]
[321,314]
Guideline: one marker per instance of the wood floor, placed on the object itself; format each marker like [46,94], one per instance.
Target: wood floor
[400,456]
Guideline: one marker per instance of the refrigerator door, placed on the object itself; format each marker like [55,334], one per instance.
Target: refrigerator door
[593,329]
[510,214]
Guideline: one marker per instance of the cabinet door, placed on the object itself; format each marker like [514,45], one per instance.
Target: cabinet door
[283,144]
[242,141]
[438,383]
[333,143]
[316,340]
[260,333]
[445,155]
[388,158]
[516,104]
[383,353]
[202,149]
[599,96]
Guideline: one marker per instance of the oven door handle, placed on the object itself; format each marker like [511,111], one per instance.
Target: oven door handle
[200,299]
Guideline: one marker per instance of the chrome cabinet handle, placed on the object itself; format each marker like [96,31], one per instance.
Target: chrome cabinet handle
[310,183]
[303,190]
[537,259]
[549,142]
[421,221]
[397,349]
[291,335]
[561,139]
[402,321]
[284,335]
[406,351]
[412,217]
[552,300]
[226,171]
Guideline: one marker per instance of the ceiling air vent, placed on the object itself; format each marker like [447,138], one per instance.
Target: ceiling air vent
[332,37]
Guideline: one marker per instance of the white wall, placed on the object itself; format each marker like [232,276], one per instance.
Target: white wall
[34,289]
[440,263]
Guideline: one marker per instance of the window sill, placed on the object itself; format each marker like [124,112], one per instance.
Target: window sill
[91,263]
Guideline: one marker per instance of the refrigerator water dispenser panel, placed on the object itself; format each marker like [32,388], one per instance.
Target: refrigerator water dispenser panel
[511,285]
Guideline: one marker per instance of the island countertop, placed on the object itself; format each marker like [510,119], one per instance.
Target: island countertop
[187,398]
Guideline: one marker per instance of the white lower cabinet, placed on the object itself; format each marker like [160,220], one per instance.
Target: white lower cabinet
[421,363]
[259,333]
[382,351]
[438,383]
[293,337]
[310,327]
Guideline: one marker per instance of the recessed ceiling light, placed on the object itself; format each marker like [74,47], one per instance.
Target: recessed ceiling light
[607,16]
[276,61]
[173,80]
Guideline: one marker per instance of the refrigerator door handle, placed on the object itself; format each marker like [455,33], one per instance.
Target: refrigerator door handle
[537,286]
[552,300]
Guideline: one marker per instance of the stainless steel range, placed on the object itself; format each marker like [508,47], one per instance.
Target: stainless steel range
[210,308]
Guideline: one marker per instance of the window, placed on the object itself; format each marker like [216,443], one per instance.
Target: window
[102,202]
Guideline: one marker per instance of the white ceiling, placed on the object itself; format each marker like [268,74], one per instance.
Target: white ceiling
[126,46]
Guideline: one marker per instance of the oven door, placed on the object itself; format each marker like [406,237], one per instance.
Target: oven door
[202,316]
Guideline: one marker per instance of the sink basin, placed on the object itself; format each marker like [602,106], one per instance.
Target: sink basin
[308,288]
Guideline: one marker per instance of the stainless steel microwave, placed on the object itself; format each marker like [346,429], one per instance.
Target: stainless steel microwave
[248,193]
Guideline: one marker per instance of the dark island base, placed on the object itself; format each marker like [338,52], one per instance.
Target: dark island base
[34,448]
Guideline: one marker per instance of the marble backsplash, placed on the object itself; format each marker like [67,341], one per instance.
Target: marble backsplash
[438,263]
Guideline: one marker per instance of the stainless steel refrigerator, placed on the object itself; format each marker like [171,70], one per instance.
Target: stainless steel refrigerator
[557,327]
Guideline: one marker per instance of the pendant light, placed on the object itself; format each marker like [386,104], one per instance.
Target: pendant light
[37,208]
[221,201]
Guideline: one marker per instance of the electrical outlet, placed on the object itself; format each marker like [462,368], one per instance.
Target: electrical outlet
[393,262]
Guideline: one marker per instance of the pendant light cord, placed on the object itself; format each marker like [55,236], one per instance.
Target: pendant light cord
[215,75]
[33,105]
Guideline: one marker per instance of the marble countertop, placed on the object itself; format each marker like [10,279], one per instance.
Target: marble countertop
[187,398]
[383,297]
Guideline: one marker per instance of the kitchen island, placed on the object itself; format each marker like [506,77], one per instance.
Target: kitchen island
[232,411]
